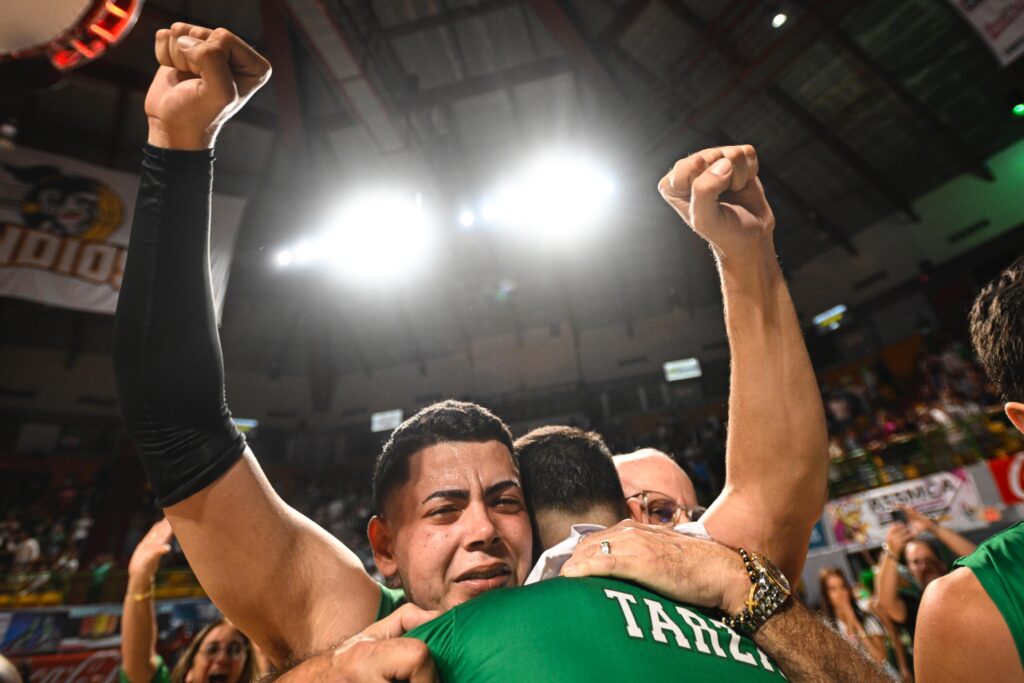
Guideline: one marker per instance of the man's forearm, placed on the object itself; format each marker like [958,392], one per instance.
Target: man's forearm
[167,356]
[807,650]
[775,407]
[777,440]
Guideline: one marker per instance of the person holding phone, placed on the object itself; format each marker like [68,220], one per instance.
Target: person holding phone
[904,543]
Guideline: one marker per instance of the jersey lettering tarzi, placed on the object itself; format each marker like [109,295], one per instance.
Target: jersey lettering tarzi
[585,630]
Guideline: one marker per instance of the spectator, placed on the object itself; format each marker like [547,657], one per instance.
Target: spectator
[80,530]
[841,610]
[904,542]
[219,652]
[27,552]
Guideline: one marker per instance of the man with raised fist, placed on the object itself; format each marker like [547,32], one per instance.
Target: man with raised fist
[451,518]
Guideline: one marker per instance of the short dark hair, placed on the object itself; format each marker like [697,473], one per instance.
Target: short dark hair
[438,423]
[567,469]
[997,330]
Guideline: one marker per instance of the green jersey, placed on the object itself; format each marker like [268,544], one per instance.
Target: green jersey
[998,563]
[589,629]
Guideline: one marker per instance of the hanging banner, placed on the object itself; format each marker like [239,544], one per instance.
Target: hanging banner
[999,22]
[1008,474]
[64,227]
[951,498]
[87,666]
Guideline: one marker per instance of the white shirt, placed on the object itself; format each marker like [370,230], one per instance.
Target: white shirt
[551,560]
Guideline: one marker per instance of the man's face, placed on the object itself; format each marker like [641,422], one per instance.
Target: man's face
[923,564]
[459,526]
[656,473]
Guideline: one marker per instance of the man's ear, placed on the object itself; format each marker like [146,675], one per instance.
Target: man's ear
[382,543]
[1015,411]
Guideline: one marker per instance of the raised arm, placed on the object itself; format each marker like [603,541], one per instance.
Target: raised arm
[887,582]
[777,445]
[138,619]
[921,523]
[286,583]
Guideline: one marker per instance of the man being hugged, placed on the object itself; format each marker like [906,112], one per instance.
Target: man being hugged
[451,518]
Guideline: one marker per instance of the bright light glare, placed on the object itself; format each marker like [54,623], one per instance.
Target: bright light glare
[378,236]
[558,198]
[489,212]
[779,19]
[467,218]
[303,252]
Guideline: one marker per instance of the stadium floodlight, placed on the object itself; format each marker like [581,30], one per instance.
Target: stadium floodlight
[379,236]
[467,218]
[1018,110]
[779,19]
[284,258]
[304,252]
[558,197]
[489,212]
[375,237]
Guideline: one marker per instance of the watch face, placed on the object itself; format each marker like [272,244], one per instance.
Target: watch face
[774,575]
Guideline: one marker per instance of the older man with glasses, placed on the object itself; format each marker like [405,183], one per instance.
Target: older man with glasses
[658,491]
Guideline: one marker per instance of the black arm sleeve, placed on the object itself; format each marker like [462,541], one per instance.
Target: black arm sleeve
[167,357]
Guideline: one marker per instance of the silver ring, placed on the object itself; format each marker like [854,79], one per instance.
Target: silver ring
[606,548]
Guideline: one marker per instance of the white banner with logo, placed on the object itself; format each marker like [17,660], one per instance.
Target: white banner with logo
[951,498]
[64,227]
[999,22]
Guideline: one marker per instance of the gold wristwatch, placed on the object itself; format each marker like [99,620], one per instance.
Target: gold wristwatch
[769,590]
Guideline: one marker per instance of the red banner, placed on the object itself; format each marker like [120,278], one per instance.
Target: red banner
[1009,476]
[91,666]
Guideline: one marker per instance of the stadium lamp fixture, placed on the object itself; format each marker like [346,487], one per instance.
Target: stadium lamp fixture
[467,218]
[1018,110]
[558,197]
[779,19]
[373,238]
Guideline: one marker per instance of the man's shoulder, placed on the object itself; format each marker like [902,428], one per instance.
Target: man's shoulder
[960,590]
[959,628]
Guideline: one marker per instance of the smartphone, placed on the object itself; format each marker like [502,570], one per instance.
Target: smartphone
[899,516]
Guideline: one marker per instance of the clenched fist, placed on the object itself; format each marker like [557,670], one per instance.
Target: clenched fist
[205,76]
[717,192]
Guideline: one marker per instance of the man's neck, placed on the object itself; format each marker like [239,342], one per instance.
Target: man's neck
[554,526]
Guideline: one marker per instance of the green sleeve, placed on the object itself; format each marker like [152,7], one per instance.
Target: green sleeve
[439,636]
[161,675]
[390,600]
[998,564]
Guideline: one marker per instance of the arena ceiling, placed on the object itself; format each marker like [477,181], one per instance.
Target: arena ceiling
[856,108]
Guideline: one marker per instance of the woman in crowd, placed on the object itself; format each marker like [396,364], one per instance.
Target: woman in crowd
[841,610]
[219,653]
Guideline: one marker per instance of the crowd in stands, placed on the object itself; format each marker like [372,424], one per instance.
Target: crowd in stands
[883,428]
[43,543]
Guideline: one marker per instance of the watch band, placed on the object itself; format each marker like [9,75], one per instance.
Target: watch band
[765,598]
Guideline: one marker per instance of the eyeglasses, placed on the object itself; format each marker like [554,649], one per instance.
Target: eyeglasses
[663,510]
[234,650]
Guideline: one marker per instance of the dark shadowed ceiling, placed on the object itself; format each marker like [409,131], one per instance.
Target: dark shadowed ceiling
[856,108]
